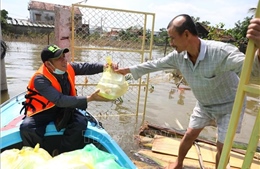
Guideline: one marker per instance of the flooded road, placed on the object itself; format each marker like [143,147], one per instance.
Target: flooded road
[166,105]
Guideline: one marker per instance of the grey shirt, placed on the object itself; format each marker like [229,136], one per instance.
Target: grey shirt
[63,100]
[213,78]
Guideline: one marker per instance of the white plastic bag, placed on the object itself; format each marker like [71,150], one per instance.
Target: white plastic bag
[112,85]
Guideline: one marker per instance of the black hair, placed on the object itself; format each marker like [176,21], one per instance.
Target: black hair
[188,24]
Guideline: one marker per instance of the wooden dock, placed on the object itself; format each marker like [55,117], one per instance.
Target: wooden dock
[158,150]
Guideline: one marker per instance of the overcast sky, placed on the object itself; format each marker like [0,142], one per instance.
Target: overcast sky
[214,11]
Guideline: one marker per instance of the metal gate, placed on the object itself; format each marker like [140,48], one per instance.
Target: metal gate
[126,36]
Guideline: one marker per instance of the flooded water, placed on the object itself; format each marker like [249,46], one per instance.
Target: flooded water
[166,105]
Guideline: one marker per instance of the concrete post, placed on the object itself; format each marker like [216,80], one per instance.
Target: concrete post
[3,76]
[3,72]
[62,28]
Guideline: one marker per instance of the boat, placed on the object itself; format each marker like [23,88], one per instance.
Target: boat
[159,146]
[95,133]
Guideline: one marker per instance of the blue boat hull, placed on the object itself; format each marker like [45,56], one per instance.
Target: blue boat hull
[10,134]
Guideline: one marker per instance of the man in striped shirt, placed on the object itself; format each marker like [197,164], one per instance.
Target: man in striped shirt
[211,69]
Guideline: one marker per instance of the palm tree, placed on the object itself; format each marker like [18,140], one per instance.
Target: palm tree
[252,10]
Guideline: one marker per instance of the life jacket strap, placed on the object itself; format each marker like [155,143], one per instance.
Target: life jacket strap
[28,103]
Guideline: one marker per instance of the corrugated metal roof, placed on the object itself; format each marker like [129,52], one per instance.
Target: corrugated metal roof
[49,6]
[24,22]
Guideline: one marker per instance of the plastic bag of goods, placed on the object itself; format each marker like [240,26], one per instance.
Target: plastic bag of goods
[26,158]
[112,85]
[89,157]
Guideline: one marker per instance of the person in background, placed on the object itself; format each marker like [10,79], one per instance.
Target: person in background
[52,96]
[212,69]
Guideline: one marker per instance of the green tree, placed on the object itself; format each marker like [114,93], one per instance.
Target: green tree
[252,10]
[239,33]
[216,32]
[207,23]
[163,32]
[161,38]
[240,29]
[195,19]
[4,17]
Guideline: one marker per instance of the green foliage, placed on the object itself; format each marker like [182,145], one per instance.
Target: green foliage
[195,19]
[132,33]
[4,17]
[162,37]
[238,33]
[94,36]
[216,32]
[207,23]
[240,29]
[163,32]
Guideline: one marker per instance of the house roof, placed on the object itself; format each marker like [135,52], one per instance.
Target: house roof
[24,22]
[204,29]
[49,6]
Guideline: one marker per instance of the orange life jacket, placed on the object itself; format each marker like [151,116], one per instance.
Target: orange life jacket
[35,102]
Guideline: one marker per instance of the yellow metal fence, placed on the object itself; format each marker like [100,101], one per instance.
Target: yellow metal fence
[124,35]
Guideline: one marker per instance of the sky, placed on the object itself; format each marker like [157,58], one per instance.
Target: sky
[228,12]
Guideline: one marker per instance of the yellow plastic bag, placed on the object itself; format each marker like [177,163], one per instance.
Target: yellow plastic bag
[25,158]
[89,157]
[76,159]
[112,85]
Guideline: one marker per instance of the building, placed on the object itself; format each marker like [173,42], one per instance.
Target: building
[42,19]
[24,27]
[42,12]
[203,32]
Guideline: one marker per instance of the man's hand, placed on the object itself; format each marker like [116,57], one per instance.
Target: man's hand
[116,69]
[253,31]
[113,65]
[96,97]
[122,71]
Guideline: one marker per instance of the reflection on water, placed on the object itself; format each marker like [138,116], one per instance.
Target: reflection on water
[21,61]
[4,96]
[165,104]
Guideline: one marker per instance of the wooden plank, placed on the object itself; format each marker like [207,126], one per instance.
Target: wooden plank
[143,165]
[143,139]
[167,145]
[171,132]
[236,159]
[170,146]
[166,159]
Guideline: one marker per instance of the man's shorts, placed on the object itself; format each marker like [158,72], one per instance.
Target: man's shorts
[201,117]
